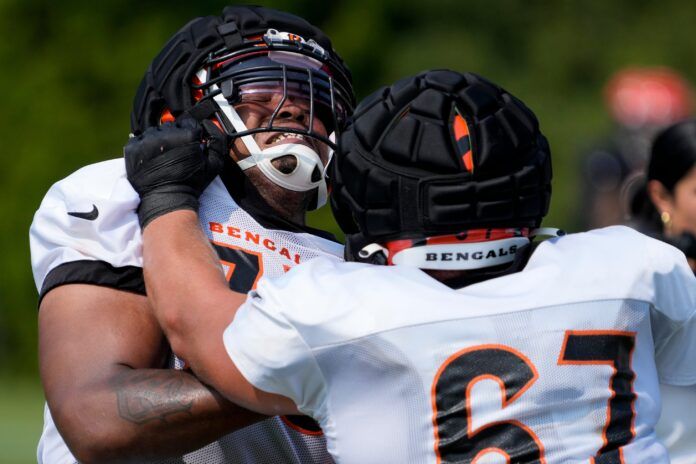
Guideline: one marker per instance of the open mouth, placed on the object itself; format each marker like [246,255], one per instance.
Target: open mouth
[279,137]
[288,163]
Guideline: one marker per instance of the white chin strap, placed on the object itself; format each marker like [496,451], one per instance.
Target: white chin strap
[308,160]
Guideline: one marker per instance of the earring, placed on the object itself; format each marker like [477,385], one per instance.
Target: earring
[666,218]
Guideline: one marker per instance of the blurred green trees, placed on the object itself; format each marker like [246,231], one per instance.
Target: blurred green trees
[70,69]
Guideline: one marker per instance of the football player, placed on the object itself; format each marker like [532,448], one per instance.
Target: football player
[465,342]
[272,94]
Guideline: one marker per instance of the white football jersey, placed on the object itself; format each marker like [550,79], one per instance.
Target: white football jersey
[86,231]
[557,363]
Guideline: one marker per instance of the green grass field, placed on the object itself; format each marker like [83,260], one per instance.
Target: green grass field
[21,419]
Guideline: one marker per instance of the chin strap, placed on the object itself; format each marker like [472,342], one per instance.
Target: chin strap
[309,164]
[474,249]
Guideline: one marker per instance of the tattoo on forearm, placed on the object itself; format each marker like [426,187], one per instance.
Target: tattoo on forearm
[154,395]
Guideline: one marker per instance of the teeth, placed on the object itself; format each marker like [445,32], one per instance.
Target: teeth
[286,135]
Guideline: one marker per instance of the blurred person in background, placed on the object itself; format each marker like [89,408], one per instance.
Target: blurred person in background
[273,83]
[641,101]
[663,205]
[663,199]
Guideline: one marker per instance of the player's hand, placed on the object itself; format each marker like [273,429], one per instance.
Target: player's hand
[170,165]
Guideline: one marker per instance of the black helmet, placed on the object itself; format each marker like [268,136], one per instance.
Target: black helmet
[207,66]
[438,154]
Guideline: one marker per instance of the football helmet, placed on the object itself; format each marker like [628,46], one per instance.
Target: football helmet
[441,171]
[213,63]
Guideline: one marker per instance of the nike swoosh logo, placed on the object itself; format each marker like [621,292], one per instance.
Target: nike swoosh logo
[90,215]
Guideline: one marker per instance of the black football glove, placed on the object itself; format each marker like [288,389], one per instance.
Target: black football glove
[170,165]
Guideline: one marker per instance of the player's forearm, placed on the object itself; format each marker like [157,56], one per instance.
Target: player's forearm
[145,413]
[179,267]
[191,298]
[194,305]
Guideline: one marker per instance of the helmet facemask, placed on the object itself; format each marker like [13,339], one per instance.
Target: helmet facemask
[285,66]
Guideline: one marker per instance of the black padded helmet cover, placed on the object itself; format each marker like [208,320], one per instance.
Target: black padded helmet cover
[401,170]
[167,82]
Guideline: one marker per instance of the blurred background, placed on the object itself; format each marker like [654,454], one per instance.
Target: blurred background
[70,70]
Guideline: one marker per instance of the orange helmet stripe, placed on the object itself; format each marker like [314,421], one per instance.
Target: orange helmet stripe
[461,136]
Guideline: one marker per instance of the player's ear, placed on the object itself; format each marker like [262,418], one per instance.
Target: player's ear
[660,196]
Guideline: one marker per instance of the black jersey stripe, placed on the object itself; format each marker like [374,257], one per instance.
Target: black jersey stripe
[127,278]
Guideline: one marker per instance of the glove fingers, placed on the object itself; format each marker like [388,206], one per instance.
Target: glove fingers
[213,132]
[167,136]
[186,121]
[215,163]
[171,165]
[217,145]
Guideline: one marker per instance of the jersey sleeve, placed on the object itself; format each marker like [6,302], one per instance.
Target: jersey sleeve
[674,316]
[86,231]
[271,353]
